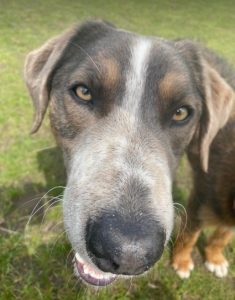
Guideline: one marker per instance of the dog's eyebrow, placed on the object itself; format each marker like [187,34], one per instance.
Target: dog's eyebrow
[110,70]
[85,74]
[173,83]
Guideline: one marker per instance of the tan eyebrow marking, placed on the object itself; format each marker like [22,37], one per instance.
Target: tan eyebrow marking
[171,84]
[110,71]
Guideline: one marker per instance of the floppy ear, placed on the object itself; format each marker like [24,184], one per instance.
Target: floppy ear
[219,100]
[39,66]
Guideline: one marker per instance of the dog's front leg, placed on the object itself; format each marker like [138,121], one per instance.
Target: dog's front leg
[215,260]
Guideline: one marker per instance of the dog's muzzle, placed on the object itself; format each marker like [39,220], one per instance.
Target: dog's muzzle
[120,246]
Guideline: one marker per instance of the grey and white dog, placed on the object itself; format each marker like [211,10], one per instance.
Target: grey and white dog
[123,107]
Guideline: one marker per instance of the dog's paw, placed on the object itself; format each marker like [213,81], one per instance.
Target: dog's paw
[183,267]
[219,269]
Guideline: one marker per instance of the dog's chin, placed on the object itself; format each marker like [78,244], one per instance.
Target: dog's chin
[90,275]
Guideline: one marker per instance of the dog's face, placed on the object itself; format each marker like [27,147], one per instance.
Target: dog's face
[123,108]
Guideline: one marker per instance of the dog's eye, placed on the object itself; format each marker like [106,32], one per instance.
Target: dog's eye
[83,93]
[181,114]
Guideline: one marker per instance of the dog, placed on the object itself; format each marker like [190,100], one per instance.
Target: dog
[124,108]
[211,203]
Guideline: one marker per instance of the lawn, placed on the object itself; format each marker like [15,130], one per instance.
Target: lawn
[35,257]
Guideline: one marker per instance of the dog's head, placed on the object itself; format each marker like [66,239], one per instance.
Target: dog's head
[123,107]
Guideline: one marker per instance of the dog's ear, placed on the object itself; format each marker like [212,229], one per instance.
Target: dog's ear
[218,103]
[216,94]
[39,66]
[41,63]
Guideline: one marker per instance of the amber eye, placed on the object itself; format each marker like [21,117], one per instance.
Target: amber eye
[181,114]
[83,93]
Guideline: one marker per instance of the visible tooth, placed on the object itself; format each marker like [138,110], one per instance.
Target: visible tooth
[110,275]
[79,258]
[91,274]
[99,276]
[86,269]
[94,275]
[107,276]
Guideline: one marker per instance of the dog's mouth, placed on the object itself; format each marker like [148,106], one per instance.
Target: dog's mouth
[90,275]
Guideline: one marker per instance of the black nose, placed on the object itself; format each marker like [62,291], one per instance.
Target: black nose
[124,246]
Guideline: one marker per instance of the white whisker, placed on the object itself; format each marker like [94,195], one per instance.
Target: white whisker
[85,52]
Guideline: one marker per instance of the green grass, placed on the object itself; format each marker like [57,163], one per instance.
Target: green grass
[35,262]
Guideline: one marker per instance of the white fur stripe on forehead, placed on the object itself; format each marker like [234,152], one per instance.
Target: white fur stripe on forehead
[136,75]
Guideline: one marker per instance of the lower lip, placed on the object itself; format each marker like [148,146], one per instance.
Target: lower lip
[92,280]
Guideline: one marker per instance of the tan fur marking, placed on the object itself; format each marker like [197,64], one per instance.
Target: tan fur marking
[181,257]
[110,71]
[170,84]
[216,243]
